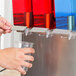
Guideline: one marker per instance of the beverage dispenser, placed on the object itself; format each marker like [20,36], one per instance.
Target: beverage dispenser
[55,49]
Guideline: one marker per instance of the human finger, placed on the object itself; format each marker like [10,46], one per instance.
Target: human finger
[28,58]
[26,64]
[28,50]
[21,70]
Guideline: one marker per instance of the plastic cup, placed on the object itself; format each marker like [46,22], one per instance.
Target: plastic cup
[24,45]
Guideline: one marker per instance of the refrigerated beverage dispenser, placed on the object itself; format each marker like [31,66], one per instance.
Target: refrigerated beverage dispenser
[32,13]
[52,30]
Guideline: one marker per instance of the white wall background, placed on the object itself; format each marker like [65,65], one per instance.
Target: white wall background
[7,13]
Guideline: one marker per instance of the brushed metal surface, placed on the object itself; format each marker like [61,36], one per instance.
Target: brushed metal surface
[55,55]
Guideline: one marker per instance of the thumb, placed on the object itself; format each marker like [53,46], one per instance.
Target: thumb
[1,32]
[4,24]
[4,27]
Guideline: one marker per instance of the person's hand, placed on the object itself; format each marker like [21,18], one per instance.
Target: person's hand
[5,26]
[15,58]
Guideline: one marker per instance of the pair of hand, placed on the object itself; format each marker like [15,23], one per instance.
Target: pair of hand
[14,58]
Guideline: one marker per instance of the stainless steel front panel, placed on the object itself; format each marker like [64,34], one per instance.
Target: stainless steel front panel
[55,55]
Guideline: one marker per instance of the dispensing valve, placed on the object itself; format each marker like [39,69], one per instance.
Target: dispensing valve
[26,31]
[48,33]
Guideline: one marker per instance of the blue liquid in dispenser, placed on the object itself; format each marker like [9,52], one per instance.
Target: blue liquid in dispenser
[64,9]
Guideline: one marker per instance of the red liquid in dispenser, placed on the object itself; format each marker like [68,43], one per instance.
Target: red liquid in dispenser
[34,13]
[18,12]
[44,14]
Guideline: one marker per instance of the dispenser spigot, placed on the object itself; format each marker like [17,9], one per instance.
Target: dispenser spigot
[48,33]
[70,36]
[26,31]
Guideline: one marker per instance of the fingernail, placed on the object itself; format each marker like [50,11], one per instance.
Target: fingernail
[32,58]
[33,51]
[31,66]
[24,73]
